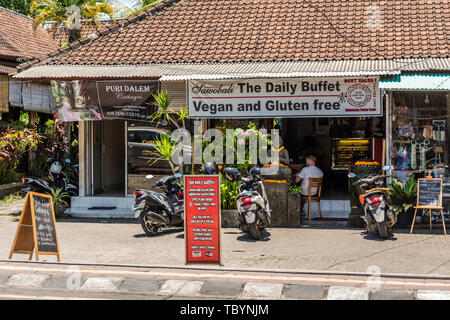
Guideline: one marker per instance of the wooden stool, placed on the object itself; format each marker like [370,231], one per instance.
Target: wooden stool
[313,183]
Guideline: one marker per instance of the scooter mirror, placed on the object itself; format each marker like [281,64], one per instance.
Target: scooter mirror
[351,175]
[386,168]
[177,175]
[67,160]
[149,176]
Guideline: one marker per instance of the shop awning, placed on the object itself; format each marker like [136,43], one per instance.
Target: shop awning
[282,69]
[416,82]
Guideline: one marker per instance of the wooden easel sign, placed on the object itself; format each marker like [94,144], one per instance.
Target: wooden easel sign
[429,196]
[37,228]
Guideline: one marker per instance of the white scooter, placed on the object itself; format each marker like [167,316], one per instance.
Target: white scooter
[253,207]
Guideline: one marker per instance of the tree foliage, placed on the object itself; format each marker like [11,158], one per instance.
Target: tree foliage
[65,12]
[20,6]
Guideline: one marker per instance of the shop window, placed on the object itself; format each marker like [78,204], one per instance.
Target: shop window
[419,134]
[141,157]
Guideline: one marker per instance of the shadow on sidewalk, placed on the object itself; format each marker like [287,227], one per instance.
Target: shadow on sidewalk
[374,237]
[265,236]
[70,219]
[162,233]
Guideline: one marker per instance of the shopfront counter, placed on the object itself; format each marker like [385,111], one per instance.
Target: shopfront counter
[346,151]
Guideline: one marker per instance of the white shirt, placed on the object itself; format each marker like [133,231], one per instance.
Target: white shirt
[305,174]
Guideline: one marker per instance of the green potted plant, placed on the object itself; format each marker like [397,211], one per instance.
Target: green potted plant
[59,201]
[403,199]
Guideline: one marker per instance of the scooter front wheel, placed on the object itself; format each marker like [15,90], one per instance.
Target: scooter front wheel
[149,228]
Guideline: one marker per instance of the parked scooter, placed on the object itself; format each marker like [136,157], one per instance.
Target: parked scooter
[56,179]
[379,215]
[253,206]
[158,210]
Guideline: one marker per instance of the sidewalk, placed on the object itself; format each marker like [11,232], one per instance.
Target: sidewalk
[334,249]
[11,208]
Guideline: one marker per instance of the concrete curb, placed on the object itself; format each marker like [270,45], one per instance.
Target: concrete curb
[216,289]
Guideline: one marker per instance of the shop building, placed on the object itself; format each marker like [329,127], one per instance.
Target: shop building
[297,65]
[19,44]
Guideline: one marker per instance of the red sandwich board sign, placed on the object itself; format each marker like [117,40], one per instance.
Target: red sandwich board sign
[202,233]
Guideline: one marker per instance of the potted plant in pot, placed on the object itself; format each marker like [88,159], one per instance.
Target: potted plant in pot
[403,199]
[59,201]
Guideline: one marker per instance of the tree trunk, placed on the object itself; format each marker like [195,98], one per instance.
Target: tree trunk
[74,35]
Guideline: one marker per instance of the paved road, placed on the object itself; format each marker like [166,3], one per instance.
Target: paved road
[53,281]
[316,249]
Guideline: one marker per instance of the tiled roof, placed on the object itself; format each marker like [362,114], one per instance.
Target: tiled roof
[17,39]
[7,67]
[224,31]
[186,71]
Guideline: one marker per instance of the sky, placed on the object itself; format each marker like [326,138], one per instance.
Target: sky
[128,3]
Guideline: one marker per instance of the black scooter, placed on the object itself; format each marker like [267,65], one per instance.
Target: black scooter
[158,210]
[56,179]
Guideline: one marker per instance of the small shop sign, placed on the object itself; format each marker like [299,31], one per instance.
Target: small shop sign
[87,100]
[293,97]
[202,219]
[429,197]
[36,230]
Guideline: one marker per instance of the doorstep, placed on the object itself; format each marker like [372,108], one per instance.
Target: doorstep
[330,209]
[102,207]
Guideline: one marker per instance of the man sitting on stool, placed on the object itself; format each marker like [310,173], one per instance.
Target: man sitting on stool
[310,171]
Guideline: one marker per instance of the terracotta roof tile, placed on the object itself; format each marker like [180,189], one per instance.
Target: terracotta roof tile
[200,31]
[18,40]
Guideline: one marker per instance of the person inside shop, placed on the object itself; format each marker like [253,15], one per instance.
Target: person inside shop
[310,146]
[310,171]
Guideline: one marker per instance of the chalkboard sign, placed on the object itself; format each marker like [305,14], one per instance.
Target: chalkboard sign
[45,225]
[429,196]
[37,228]
[429,193]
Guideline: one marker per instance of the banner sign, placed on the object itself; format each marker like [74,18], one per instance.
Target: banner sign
[85,100]
[202,218]
[291,97]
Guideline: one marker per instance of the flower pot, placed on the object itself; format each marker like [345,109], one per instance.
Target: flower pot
[59,210]
[404,219]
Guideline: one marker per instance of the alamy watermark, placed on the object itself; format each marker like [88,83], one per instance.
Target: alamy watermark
[73,280]
[231,146]
[374,20]
[374,281]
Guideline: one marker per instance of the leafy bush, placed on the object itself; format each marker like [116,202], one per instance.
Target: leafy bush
[55,142]
[403,196]
[228,193]
[59,197]
[13,144]
[53,145]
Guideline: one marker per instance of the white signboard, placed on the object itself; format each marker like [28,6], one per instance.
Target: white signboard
[292,97]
